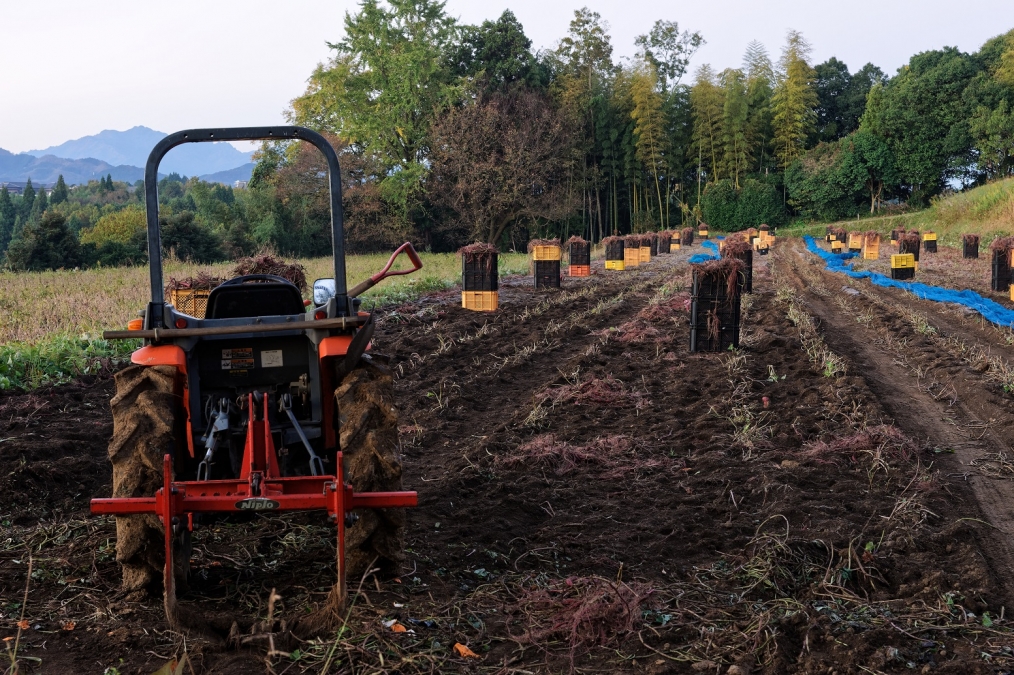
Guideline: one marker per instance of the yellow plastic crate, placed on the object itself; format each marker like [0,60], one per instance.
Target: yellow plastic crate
[644,254]
[674,246]
[192,301]
[836,245]
[871,252]
[1012,292]
[480,301]
[631,257]
[702,233]
[929,236]
[614,265]
[547,253]
[855,241]
[902,260]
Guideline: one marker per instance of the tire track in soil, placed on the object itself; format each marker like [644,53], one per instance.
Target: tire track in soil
[937,419]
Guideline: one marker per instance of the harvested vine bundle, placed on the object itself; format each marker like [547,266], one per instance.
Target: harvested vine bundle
[294,273]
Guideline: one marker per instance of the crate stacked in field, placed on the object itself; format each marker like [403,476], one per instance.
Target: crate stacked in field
[687,236]
[903,266]
[929,242]
[838,240]
[675,241]
[190,294]
[871,245]
[580,257]
[970,246]
[832,234]
[651,239]
[480,278]
[910,242]
[716,292]
[614,253]
[645,251]
[855,241]
[737,247]
[1001,249]
[546,256]
[632,250]
[895,234]
[702,230]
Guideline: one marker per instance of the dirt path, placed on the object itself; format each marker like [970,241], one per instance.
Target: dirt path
[899,346]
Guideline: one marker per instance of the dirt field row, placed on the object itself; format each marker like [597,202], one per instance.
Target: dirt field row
[830,498]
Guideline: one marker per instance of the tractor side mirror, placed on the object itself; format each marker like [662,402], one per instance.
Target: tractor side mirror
[323,290]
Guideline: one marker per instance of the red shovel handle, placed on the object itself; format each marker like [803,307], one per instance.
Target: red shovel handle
[405,248]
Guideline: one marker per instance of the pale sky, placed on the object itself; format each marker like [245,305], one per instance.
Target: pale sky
[74,68]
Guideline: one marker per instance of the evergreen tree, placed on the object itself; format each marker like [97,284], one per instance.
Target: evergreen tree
[60,193]
[39,206]
[708,102]
[109,182]
[27,200]
[47,244]
[794,101]
[7,215]
[647,116]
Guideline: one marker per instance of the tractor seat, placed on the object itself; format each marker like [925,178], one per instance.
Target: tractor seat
[270,296]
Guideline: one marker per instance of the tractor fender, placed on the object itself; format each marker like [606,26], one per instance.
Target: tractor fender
[169,355]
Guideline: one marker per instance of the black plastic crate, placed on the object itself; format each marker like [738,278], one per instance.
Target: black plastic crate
[614,250]
[480,273]
[1000,280]
[714,324]
[653,244]
[746,278]
[712,287]
[930,246]
[580,253]
[969,250]
[547,273]
[903,273]
[908,247]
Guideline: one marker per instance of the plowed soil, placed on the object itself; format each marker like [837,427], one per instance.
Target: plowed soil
[832,497]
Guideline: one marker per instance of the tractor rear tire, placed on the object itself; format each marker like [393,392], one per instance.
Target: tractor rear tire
[368,428]
[144,430]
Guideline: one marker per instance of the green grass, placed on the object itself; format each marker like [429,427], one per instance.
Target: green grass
[50,322]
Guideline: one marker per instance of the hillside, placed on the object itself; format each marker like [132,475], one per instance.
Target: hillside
[47,169]
[131,147]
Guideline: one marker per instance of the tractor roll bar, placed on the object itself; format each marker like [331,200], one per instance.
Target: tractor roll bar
[156,309]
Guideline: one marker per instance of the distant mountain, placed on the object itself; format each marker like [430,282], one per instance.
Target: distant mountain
[47,169]
[231,176]
[132,147]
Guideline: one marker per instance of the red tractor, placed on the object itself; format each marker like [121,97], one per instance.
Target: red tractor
[261,405]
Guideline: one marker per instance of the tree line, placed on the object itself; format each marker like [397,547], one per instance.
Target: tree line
[451,133]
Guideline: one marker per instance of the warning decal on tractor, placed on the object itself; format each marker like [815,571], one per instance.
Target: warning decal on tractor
[237,359]
[271,358]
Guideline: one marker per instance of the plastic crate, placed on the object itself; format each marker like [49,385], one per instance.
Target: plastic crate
[579,271]
[903,273]
[644,254]
[190,301]
[547,273]
[902,261]
[836,246]
[631,257]
[480,301]
[580,254]
[703,234]
[547,253]
[871,252]
[970,251]
[1000,281]
[616,265]
[930,245]
[480,274]
[674,246]
[855,242]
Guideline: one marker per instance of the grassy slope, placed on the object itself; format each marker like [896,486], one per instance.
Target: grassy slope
[987,210]
[50,322]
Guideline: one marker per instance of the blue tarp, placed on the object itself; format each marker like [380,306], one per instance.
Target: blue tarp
[704,257]
[992,311]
